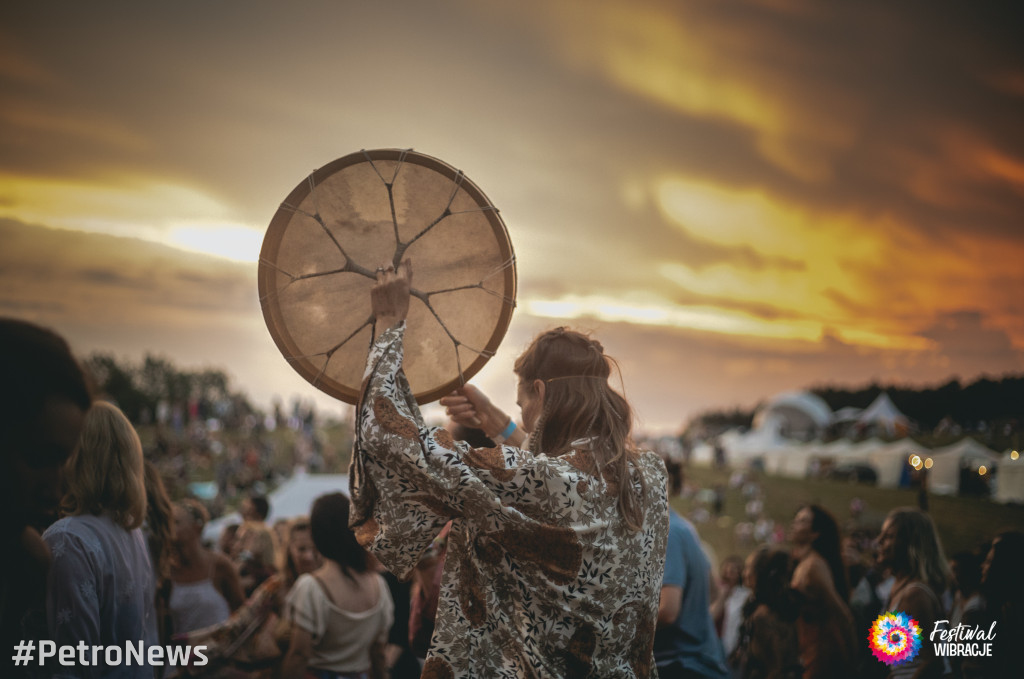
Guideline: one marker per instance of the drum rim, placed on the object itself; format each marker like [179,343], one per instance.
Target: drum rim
[266,276]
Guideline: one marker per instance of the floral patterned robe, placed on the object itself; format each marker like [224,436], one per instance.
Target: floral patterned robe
[542,578]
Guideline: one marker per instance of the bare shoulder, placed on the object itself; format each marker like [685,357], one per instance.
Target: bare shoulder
[222,565]
[810,572]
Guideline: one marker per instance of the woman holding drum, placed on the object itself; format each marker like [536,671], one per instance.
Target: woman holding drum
[556,551]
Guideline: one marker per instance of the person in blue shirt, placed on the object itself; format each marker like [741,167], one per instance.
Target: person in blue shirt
[686,645]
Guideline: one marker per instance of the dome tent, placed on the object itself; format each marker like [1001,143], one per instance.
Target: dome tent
[799,415]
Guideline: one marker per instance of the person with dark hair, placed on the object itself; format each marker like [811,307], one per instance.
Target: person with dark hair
[768,647]
[909,546]
[1001,610]
[43,402]
[341,612]
[556,552]
[256,508]
[828,645]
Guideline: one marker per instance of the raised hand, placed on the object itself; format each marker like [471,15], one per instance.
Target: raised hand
[469,407]
[389,298]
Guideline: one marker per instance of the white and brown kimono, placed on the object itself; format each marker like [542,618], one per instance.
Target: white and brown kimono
[543,578]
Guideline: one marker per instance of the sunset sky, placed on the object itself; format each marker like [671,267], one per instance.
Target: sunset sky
[737,198]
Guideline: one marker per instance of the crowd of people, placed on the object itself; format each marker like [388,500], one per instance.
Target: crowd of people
[483,549]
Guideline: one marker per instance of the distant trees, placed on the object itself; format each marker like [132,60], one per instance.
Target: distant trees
[993,402]
[994,407]
[156,388]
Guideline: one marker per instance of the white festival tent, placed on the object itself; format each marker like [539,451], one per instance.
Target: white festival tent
[944,477]
[765,441]
[292,498]
[890,459]
[1010,481]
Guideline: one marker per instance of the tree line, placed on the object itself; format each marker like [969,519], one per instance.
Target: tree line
[994,407]
[155,388]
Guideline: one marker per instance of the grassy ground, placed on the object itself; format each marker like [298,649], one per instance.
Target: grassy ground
[963,522]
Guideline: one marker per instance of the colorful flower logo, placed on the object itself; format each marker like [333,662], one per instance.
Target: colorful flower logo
[895,638]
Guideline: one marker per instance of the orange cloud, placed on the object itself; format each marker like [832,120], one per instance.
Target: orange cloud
[712,69]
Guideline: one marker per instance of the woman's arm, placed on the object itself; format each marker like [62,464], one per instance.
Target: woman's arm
[469,407]
[228,582]
[407,479]
[299,652]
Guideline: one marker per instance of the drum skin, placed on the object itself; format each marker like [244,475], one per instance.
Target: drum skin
[373,208]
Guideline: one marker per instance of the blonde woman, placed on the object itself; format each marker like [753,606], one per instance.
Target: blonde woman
[100,588]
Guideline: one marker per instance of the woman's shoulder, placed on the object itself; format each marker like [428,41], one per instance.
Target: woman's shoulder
[651,466]
[917,597]
[303,583]
[306,593]
[82,529]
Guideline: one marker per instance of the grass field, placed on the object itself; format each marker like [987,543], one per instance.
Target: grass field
[963,522]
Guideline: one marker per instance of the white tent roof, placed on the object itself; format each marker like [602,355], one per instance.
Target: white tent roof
[740,447]
[944,477]
[884,413]
[292,498]
[847,414]
[803,402]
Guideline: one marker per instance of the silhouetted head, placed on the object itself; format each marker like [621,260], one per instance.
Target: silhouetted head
[42,407]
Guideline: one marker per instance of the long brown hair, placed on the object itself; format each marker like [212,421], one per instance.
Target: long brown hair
[580,404]
[921,556]
[159,520]
[105,473]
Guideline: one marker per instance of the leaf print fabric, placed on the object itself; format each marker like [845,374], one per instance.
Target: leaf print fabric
[542,577]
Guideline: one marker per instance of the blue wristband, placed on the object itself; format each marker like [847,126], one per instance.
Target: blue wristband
[508,430]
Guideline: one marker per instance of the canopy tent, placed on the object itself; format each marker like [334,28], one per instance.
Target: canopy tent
[792,462]
[883,416]
[889,460]
[944,477]
[1010,483]
[292,498]
[759,442]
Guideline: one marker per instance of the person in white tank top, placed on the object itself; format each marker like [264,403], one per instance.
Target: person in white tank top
[206,588]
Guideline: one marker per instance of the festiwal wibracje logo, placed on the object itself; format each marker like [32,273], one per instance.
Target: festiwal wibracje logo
[895,638]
